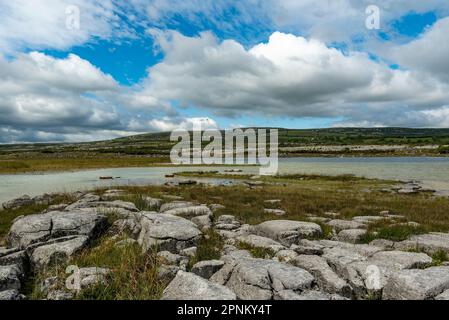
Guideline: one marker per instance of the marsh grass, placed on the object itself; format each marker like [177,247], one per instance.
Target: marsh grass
[256,252]
[208,248]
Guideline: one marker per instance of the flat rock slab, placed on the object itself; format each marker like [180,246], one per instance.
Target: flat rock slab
[167,232]
[277,212]
[10,277]
[367,268]
[429,243]
[206,269]
[339,224]
[287,232]
[326,278]
[56,253]
[443,296]
[189,286]
[351,235]
[189,212]
[417,284]
[56,224]
[261,242]
[310,295]
[175,205]
[259,279]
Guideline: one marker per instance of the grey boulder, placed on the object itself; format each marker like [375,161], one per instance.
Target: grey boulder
[287,232]
[167,232]
[206,269]
[189,286]
[43,227]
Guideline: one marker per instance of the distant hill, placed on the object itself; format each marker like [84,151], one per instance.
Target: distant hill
[159,143]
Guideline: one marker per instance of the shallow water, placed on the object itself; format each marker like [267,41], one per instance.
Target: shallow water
[432,172]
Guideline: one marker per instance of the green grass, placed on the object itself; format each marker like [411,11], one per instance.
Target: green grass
[257,252]
[208,248]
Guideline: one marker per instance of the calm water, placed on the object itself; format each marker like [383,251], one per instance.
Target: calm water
[433,172]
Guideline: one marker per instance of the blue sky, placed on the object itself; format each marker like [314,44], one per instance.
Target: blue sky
[142,66]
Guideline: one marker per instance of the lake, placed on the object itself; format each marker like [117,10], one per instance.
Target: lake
[432,172]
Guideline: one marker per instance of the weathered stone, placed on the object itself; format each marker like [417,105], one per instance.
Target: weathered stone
[14,256]
[18,202]
[417,284]
[443,296]
[42,227]
[351,235]
[57,207]
[367,270]
[189,252]
[310,295]
[203,222]
[318,219]
[117,207]
[305,246]
[176,205]
[60,295]
[286,255]
[429,243]
[326,278]
[227,222]
[368,219]
[287,232]
[206,269]
[153,203]
[259,279]
[189,286]
[276,212]
[169,258]
[92,276]
[56,253]
[273,201]
[216,206]
[113,193]
[261,242]
[125,226]
[345,224]
[189,212]
[383,243]
[168,232]
[11,295]
[10,277]
[167,273]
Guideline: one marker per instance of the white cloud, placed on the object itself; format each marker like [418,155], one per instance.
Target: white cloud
[40,24]
[288,76]
[429,53]
[167,124]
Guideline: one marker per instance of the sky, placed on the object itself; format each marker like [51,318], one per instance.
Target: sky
[85,70]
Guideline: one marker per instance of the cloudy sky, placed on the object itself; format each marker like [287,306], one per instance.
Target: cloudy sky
[127,67]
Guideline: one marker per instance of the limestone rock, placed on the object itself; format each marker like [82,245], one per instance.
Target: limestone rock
[259,279]
[176,205]
[351,235]
[326,278]
[11,295]
[189,212]
[170,233]
[206,269]
[287,232]
[429,243]
[227,222]
[56,253]
[189,286]
[261,242]
[10,277]
[203,222]
[339,225]
[417,284]
[42,227]
[277,212]
[125,226]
